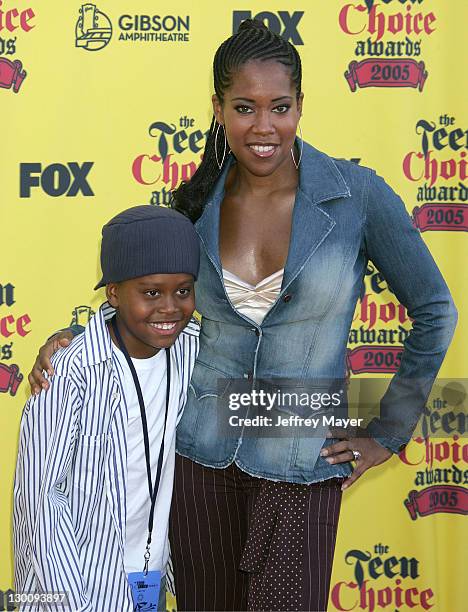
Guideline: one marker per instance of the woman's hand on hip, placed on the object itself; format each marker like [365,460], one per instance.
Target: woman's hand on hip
[36,378]
[367,453]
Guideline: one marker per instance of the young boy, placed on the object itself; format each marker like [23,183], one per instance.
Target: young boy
[96,454]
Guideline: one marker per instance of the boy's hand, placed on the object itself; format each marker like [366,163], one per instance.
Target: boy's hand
[36,378]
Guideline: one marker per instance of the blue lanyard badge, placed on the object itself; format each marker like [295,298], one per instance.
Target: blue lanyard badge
[145,590]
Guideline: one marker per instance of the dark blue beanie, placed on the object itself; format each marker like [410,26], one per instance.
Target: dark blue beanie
[147,240]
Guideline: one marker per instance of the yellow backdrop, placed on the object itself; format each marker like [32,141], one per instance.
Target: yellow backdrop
[105,105]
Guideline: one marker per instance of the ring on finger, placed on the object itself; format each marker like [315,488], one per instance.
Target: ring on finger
[356,454]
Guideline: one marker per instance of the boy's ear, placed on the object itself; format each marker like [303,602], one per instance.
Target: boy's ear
[112,294]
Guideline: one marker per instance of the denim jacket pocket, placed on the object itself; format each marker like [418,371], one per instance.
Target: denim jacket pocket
[198,424]
[208,381]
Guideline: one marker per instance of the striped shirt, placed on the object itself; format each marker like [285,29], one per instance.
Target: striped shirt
[70,485]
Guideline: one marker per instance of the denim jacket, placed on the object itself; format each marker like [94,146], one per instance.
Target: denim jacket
[344,215]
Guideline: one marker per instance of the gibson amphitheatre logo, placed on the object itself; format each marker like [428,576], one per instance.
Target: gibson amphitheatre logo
[93,28]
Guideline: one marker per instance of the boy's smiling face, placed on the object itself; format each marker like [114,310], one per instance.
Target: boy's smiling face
[152,310]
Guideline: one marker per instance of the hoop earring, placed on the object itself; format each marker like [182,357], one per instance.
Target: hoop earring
[220,165]
[300,151]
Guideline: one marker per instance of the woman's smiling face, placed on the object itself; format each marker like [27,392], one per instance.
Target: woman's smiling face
[260,113]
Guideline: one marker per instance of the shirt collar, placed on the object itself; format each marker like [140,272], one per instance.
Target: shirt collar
[319,177]
[97,345]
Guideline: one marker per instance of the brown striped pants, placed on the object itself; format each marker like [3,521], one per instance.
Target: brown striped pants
[245,543]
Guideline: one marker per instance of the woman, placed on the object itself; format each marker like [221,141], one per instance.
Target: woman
[287,233]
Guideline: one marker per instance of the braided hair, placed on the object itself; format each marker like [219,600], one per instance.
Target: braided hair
[253,41]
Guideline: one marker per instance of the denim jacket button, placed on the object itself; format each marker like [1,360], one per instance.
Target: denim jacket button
[287,297]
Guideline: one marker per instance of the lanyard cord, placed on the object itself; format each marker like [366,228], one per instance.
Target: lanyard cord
[153,491]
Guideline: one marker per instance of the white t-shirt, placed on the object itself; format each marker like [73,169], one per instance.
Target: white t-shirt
[152,377]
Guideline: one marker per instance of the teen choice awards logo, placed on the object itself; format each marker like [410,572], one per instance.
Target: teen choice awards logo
[93,28]
[380,327]
[174,157]
[13,22]
[11,74]
[13,326]
[438,455]
[439,169]
[382,579]
[389,42]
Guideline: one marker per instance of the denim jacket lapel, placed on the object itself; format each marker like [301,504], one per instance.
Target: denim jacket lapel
[319,182]
[207,225]
[310,227]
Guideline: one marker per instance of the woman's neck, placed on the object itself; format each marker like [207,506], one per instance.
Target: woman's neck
[242,182]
